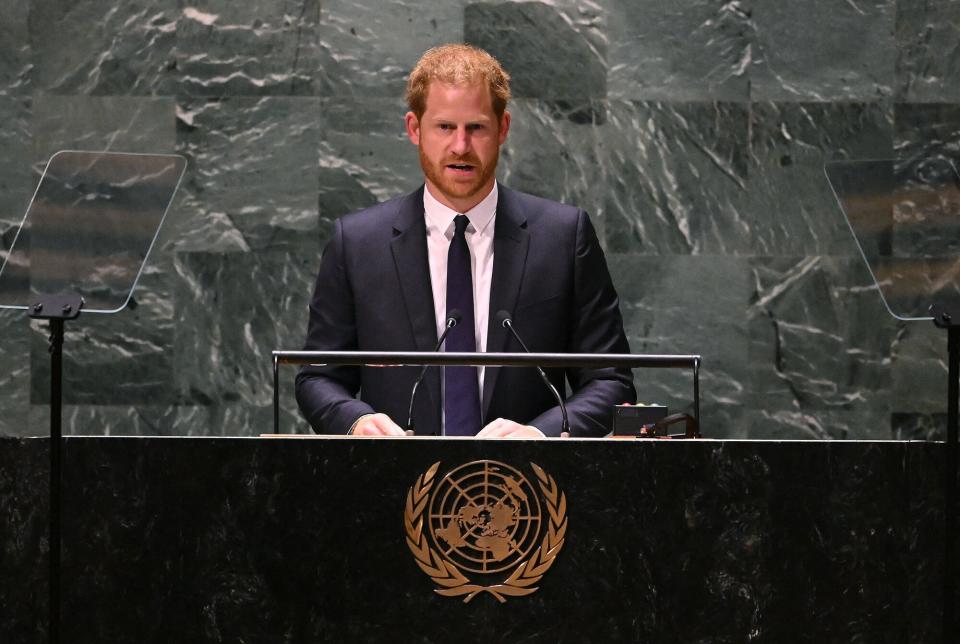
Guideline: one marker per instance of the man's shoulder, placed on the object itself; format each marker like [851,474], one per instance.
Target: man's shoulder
[383,215]
[538,209]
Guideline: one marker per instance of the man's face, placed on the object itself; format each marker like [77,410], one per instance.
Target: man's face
[459,139]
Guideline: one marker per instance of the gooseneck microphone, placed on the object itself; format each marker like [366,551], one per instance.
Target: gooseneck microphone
[503,317]
[453,319]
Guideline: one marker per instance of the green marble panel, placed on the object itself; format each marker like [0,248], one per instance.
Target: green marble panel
[928,58]
[676,177]
[367,47]
[250,182]
[698,50]
[823,51]
[236,48]
[820,341]
[551,50]
[87,47]
[793,211]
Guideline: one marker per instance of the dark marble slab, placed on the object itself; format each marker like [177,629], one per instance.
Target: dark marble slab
[16,182]
[180,418]
[367,47]
[927,132]
[229,49]
[698,50]
[919,369]
[15,50]
[928,59]
[546,53]
[676,178]
[250,183]
[693,128]
[364,145]
[243,540]
[16,189]
[839,537]
[924,490]
[810,50]
[117,123]
[154,419]
[555,150]
[24,545]
[86,48]
[917,426]
[120,358]
[15,373]
[225,344]
[820,344]
[664,313]
[792,208]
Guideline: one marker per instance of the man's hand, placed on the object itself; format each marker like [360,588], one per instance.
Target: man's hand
[376,425]
[503,428]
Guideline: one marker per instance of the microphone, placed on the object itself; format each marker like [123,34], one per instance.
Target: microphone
[453,319]
[503,317]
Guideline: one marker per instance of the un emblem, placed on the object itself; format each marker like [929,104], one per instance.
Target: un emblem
[486,520]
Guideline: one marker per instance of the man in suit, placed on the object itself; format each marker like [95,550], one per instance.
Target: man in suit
[392,273]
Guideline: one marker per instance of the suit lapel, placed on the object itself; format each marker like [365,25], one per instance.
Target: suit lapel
[510,243]
[409,247]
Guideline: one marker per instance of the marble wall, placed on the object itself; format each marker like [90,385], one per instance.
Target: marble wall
[694,132]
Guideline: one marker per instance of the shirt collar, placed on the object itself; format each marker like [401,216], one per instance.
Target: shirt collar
[441,217]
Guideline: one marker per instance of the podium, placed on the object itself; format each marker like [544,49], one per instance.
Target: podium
[304,540]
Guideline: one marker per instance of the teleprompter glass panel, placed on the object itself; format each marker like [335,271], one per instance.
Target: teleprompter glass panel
[905,216]
[89,228]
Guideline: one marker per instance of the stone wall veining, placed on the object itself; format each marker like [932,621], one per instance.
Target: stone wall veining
[694,132]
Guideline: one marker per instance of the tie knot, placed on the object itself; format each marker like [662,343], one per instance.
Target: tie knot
[460,222]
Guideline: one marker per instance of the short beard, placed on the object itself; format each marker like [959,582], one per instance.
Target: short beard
[452,190]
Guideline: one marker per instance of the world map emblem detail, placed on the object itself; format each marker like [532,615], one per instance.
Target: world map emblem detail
[484,527]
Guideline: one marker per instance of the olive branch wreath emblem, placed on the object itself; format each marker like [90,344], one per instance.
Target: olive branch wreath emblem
[450,580]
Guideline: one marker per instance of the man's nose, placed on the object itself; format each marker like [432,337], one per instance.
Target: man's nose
[461,142]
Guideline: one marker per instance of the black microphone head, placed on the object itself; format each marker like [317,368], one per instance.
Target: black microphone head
[455,315]
[502,317]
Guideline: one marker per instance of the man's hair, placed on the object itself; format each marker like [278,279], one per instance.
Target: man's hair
[457,65]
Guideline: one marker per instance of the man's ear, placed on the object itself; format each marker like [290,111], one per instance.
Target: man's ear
[504,126]
[413,127]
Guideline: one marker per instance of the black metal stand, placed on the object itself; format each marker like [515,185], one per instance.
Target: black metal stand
[950,320]
[56,309]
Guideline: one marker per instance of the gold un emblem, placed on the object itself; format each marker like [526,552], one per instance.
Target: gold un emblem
[482,528]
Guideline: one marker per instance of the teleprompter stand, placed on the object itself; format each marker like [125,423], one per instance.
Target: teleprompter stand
[81,247]
[948,318]
[56,309]
[905,217]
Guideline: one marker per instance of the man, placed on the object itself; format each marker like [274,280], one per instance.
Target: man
[391,274]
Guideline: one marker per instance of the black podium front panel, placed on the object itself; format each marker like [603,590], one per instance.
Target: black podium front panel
[24,545]
[304,540]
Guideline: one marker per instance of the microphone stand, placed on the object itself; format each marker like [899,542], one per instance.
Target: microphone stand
[453,319]
[505,320]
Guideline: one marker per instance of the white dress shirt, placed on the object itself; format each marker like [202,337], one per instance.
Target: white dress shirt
[479,234]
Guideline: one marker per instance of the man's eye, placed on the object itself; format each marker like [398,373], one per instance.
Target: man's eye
[446,126]
[475,126]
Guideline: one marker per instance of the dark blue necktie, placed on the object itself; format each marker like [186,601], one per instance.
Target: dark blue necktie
[461,396]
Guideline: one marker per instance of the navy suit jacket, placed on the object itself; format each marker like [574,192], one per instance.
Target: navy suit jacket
[373,294]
